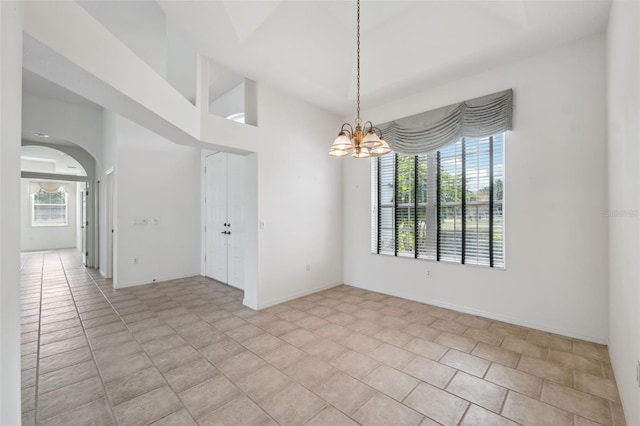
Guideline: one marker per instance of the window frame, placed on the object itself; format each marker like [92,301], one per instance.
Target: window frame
[492,236]
[33,205]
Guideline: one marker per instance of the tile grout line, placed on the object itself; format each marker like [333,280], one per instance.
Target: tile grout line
[84,333]
[35,404]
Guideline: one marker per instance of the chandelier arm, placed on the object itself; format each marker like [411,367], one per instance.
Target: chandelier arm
[348,130]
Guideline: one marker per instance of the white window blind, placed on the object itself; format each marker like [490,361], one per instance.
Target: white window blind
[446,205]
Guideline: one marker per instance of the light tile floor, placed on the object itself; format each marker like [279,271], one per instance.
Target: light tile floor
[188,352]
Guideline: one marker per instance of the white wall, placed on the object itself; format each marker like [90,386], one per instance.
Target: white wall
[48,237]
[555,195]
[80,124]
[299,199]
[10,131]
[155,179]
[623,82]
[229,103]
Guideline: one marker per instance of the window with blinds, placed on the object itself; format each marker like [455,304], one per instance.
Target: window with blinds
[445,206]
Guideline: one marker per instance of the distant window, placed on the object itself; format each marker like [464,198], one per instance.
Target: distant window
[239,117]
[49,206]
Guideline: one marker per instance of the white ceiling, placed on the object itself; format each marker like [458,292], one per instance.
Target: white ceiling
[307,48]
[41,159]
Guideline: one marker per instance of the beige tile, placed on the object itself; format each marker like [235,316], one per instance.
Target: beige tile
[284,356]
[548,340]
[63,334]
[114,339]
[344,392]
[149,334]
[393,337]
[353,363]
[485,336]
[509,330]
[523,347]
[360,343]
[133,385]
[330,416]
[527,411]
[293,405]
[478,391]
[325,349]
[64,399]
[300,337]
[221,350]
[546,370]
[175,357]
[240,411]
[117,351]
[96,413]
[426,348]
[207,396]
[391,382]
[179,418]
[595,385]
[66,376]
[496,354]
[583,404]
[465,362]
[617,414]
[245,332]
[454,341]
[62,346]
[263,382]
[117,368]
[515,380]
[382,410]
[578,362]
[422,331]
[392,355]
[28,396]
[590,350]
[449,326]
[478,416]
[278,327]
[240,365]
[309,372]
[333,332]
[430,371]
[163,344]
[581,421]
[148,407]
[437,404]
[191,374]
[262,344]
[312,322]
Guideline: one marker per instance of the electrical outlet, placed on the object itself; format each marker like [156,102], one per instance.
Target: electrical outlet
[428,273]
[308,267]
[135,261]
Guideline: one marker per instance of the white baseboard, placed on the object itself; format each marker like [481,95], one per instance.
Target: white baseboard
[294,296]
[157,280]
[490,315]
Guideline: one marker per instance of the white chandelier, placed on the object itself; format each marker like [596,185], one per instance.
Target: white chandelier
[365,140]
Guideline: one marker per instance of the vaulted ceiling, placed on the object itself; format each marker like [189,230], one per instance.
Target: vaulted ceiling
[307,48]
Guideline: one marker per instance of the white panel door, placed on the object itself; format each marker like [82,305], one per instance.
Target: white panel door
[216,217]
[236,219]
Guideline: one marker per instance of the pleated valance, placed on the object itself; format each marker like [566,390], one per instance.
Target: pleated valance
[432,130]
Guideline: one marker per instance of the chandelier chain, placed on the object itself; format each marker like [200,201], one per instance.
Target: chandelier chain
[358,121]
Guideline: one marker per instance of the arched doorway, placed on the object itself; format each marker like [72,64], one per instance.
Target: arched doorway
[58,199]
